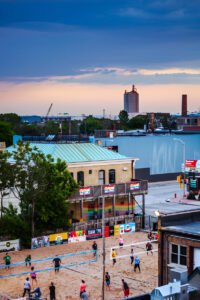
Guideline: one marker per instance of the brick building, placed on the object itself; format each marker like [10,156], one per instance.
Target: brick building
[99,173]
[179,243]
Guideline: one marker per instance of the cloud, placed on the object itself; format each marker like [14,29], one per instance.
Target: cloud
[117,75]
[134,12]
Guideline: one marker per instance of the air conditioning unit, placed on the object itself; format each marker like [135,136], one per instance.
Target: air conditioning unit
[179,274]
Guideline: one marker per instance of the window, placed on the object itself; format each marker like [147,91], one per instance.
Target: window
[90,172]
[101,177]
[72,174]
[80,178]
[112,176]
[179,254]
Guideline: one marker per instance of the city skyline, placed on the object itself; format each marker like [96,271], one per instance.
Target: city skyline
[82,55]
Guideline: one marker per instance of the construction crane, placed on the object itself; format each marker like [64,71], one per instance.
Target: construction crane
[48,112]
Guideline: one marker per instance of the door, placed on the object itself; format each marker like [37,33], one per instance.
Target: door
[196,258]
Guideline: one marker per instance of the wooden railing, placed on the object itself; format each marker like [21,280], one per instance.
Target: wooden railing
[135,187]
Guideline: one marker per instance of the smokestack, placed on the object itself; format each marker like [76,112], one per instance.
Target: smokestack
[184,106]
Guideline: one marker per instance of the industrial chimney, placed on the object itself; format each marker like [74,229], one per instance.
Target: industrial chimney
[184,105]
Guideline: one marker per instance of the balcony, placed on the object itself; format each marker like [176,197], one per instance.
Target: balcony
[135,187]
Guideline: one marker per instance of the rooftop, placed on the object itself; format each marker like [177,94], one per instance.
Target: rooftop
[73,153]
[188,228]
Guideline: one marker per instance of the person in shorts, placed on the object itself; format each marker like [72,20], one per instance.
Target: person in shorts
[57,263]
[137,264]
[27,288]
[114,254]
[125,288]
[7,260]
[121,242]
[107,280]
[94,247]
[28,260]
[149,248]
[33,276]
[132,256]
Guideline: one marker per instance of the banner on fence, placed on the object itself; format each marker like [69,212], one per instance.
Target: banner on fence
[85,191]
[109,189]
[124,228]
[11,245]
[134,186]
[77,236]
[58,238]
[94,234]
[39,242]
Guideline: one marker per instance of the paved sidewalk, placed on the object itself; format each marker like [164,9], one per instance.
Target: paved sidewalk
[184,201]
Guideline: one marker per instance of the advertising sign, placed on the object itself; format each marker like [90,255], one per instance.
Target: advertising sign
[39,242]
[124,229]
[58,238]
[109,189]
[191,163]
[94,234]
[12,245]
[134,186]
[85,191]
[77,236]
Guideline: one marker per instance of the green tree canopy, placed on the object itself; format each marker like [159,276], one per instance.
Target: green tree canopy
[123,118]
[137,122]
[6,133]
[42,186]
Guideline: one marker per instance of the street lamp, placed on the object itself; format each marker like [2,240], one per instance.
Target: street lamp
[183,143]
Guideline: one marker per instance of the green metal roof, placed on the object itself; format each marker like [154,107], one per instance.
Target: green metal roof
[73,153]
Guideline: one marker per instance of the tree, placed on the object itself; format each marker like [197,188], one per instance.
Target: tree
[6,133]
[137,122]
[90,124]
[42,186]
[6,177]
[123,118]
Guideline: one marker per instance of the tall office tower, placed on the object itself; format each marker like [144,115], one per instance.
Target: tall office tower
[184,106]
[131,101]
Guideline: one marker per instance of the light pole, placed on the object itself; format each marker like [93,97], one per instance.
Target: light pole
[104,248]
[183,143]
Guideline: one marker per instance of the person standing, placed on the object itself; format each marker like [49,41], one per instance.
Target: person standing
[114,254]
[28,260]
[27,287]
[95,247]
[52,290]
[132,256]
[149,248]
[121,242]
[137,264]
[57,263]
[33,276]
[125,288]
[107,280]
[7,260]
[82,288]
[84,296]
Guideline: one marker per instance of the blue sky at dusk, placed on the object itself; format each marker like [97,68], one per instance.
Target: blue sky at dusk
[72,48]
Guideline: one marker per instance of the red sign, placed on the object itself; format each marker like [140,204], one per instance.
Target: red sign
[191,163]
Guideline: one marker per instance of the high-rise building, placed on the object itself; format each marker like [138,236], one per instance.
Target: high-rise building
[131,101]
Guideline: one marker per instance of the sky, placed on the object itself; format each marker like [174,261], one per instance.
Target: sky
[81,55]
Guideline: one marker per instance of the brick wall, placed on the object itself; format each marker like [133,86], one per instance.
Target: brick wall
[123,173]
[166,238]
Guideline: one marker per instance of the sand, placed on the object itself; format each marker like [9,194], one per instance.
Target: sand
[68,280]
